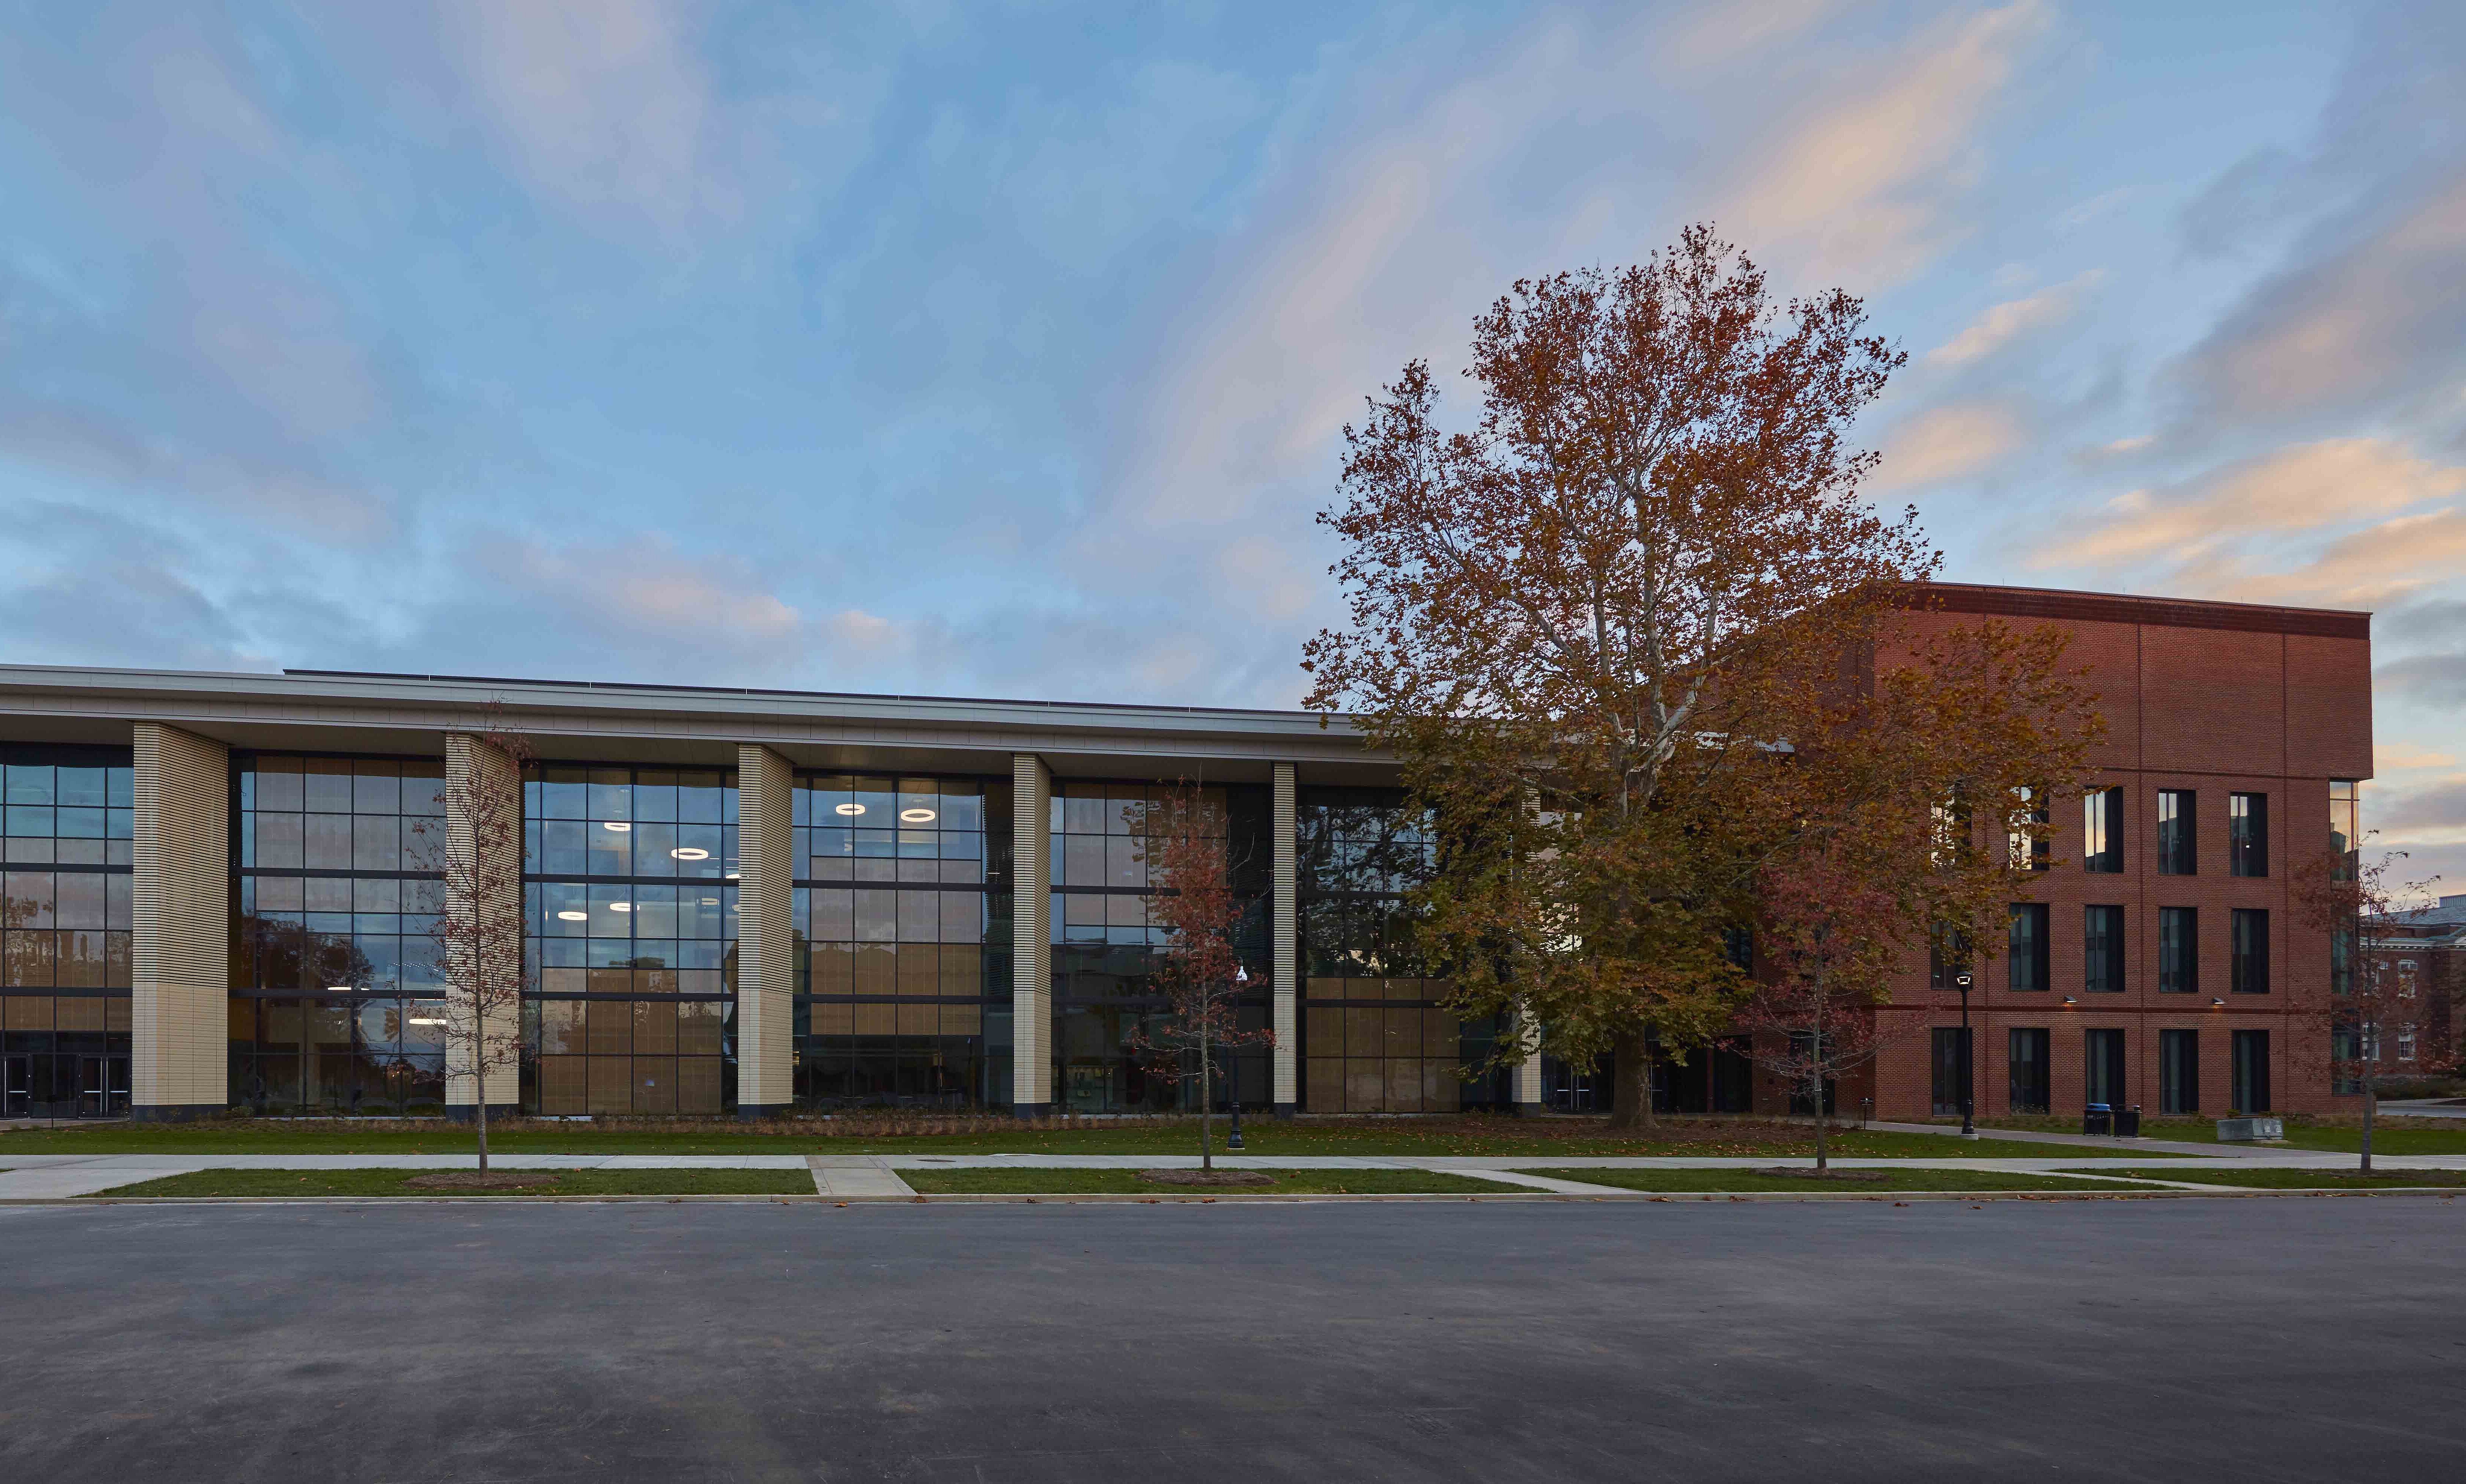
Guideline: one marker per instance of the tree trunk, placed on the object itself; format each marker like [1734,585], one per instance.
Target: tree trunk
[1823,1124]
[480,1098]
[1631,1080]
[2371,1105]
[1206,1107]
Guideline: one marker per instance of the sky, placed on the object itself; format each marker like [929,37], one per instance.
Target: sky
[1005,350]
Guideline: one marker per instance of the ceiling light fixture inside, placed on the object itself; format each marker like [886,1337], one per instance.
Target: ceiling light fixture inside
[571,915]
[338,989]
[851,810]
[689,853]
[916,815]
[619,826]
[422,1021]
[621,907]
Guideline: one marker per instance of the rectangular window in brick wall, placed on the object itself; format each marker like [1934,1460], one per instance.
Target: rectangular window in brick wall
[2102,831]
[2251,1090]
[2026,1054]
[2179,950]
[2178,832]
[2251,967]
[2026,955]
[2179,1071]
[2103,950]
[2103,1067]
[2248,834]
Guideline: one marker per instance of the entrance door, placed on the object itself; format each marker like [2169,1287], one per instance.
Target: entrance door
[102,1086]
[16,1087]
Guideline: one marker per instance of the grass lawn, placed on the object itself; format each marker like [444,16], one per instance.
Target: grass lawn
[2206,1173]
[1744,1181]
[1539,1137]
[390,1183]
[1290,1183]
[2411,1136]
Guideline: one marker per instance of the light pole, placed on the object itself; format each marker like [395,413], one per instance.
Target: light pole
[1968,1090]
[1233,1065]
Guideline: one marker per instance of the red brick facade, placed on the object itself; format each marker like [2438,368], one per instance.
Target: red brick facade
[2217,698]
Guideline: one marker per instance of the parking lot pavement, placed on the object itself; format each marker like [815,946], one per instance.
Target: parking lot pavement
[2284,1339]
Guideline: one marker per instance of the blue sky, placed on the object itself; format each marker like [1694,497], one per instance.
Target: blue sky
[1002,349]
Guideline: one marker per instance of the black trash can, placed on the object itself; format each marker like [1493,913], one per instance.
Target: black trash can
[2097,1118]
[2127,1122]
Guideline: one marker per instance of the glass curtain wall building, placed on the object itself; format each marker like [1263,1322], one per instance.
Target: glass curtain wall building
[903,909]
[629,891]
[64,909]
[1374,1037]
[1106,946]
[336,880]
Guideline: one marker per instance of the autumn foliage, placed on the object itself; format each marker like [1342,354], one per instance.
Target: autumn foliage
[1609,626]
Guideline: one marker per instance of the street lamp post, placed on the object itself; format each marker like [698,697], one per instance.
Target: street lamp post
[1968,1085]
[1232,1066]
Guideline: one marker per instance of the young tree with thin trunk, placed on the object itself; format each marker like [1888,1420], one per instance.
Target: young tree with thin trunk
[479,932]
[1830,941]
[1183,836]
[1582,623]
[2376,985]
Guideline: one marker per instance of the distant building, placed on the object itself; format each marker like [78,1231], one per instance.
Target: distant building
[218,887]
[2432,939]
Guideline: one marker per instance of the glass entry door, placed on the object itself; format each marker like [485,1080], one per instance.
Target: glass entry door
[102,1086]
[16,1087]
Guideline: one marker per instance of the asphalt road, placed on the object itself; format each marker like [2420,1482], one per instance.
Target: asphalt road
[2165,1340]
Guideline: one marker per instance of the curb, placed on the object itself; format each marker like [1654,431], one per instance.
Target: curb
[1107,1197]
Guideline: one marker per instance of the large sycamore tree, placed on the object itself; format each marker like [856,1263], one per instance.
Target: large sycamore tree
[1596,623]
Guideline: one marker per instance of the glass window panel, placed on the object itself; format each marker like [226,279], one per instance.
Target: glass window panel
[30,783]
[376,787]
[877,915]
[328,782]
[655,796]
[963,916]
[79,786]
[700,799]
[79,900]
[654,912]
[376,842]
[30,899]
[327,842]
[919,918]
[612,793]
[79,823]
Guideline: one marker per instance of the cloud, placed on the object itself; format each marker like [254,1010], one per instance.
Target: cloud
[1948,441]
[2391,755]
[602,106]
[2303,487]
[1859,183]
[2436,806]
[2363,323]
[2437,678]
[2004,323]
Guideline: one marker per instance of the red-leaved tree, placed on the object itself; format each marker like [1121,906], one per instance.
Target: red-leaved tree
[1829,937]
[1183,838]
[2376,989]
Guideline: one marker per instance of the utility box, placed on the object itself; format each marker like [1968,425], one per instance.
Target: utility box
[2251,1130]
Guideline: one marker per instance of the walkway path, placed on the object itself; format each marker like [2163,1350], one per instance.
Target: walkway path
[876,1176]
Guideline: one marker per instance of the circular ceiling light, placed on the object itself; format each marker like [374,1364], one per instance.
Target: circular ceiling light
[731,875]
[571,915]
[850,810]
[621,907]
[710,901]
[619,826]
[338,989]
[916,815]
[689,853]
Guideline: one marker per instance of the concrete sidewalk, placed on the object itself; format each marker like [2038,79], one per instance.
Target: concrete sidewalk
[54,1177]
